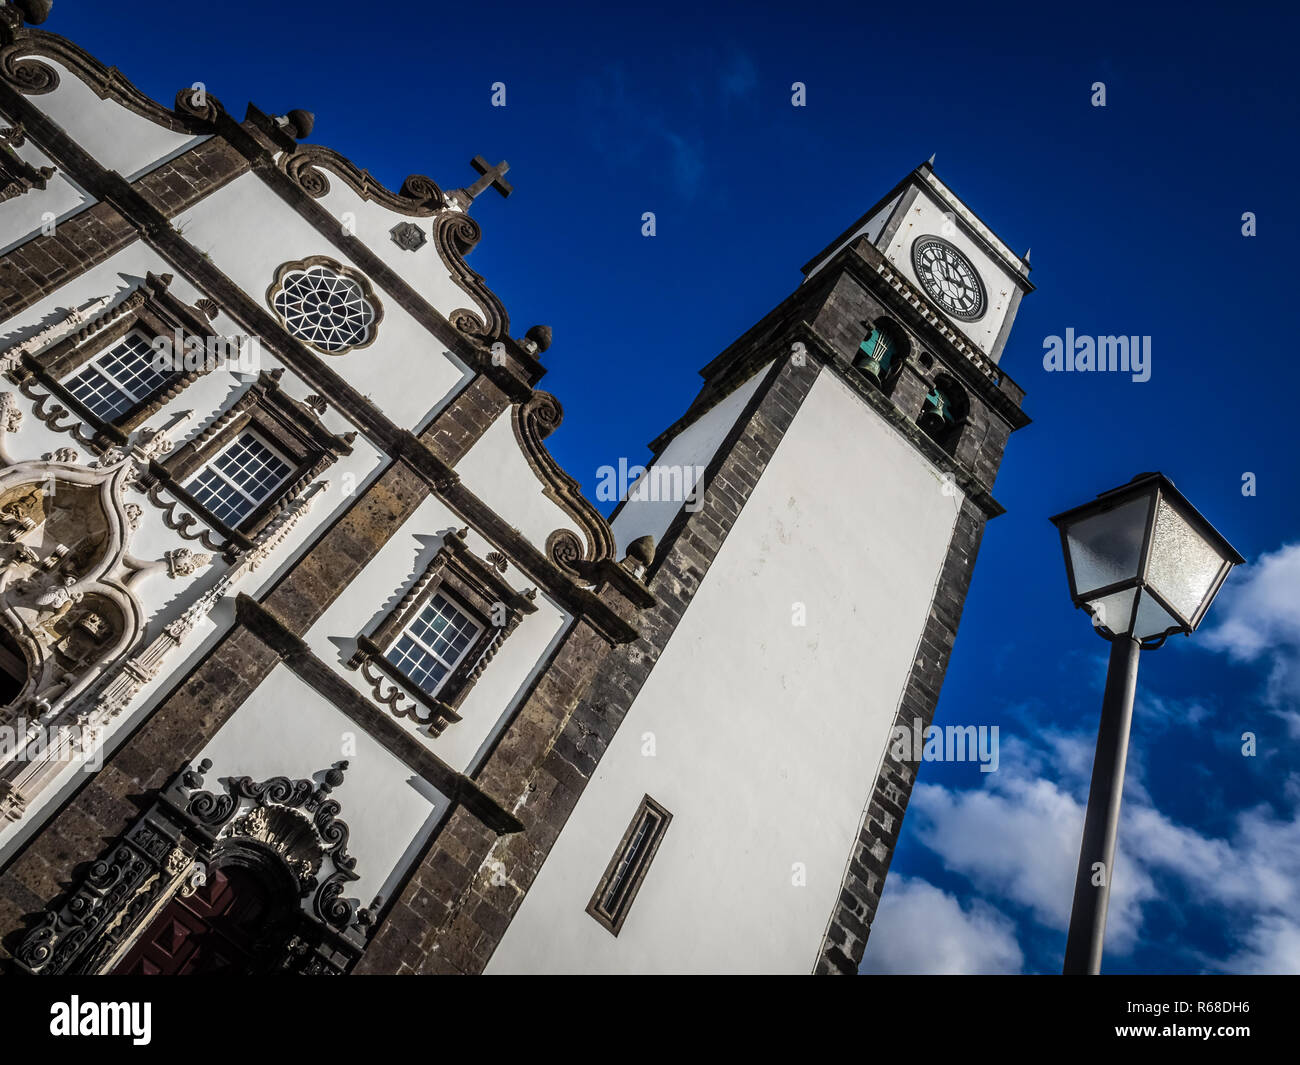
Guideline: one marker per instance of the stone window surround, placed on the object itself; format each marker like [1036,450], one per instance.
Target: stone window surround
[151,309]
[474,587]
[287,425]
[613,920]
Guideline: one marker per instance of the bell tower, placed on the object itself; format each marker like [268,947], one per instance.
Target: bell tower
[745,799]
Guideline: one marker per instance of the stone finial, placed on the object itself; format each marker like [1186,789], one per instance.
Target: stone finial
[193,778]
[642,551]
[34,11]
[297,123]
[333,776]
[537,339]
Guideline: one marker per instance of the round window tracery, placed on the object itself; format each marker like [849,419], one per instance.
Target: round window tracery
[329,308]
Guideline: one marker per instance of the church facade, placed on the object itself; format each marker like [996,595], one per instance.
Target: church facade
[313,658]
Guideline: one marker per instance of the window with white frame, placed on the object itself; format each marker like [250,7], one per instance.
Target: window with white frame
[239,478]
[432,645]
[120,378]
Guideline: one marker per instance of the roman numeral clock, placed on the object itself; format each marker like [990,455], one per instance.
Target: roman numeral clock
[949,278]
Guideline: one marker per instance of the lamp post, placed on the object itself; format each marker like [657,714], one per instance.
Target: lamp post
[1146,565]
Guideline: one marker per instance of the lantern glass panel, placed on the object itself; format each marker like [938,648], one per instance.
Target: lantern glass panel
[1107,548]
[1153,619]
[1114,611]
[1183,564]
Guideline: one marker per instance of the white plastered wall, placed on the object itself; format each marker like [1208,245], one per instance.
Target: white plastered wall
[496,470]
[692,448]
[161,598]
[116,136]
[767,736]
[286,729]
[390,574]
[249,234]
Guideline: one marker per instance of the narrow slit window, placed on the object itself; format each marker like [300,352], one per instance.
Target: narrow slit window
[239,479]
[627,869]
[428,650]
[120,378]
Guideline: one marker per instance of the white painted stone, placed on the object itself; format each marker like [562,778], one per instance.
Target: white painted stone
[693,447]
[287,729]
[766,747]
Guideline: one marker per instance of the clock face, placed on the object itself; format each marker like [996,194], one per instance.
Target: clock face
[948,278]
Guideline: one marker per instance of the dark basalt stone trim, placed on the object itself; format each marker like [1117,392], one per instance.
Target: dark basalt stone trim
[457,427]
[104,82]
[533,421]
[399,443]
[965,479]
[295,654]
[457,907]
[200,702]
[845,939]
[32,270]
[858,261]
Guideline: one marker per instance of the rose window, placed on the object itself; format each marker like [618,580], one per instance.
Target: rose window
[326,308]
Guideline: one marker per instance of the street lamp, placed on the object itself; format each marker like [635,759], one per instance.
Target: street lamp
[1146,565]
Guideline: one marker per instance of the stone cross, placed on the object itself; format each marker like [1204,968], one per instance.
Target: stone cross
[491,175]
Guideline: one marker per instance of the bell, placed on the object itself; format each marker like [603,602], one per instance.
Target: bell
[874,356]
[936,415]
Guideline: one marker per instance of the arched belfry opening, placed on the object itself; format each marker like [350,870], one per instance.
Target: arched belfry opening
[881,354]
[944,412]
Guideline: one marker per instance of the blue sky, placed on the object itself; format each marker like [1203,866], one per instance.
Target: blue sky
[1134,212]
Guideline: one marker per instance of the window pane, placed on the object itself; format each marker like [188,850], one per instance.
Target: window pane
[121,377]
[443,629]
[241,477]
[433,644]
[1183,563]
[98,394]
[417,664]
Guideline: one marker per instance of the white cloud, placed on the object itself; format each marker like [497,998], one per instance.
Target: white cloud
[1017,839]
[1259,617]
[921,929]
[1272,948]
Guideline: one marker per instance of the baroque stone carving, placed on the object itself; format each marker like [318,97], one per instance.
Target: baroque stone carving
[419,196]
[293,822]
[299,821]
[183,562]
[64,575]
[455,235]
[408,236]
[533,421]
[325,304]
